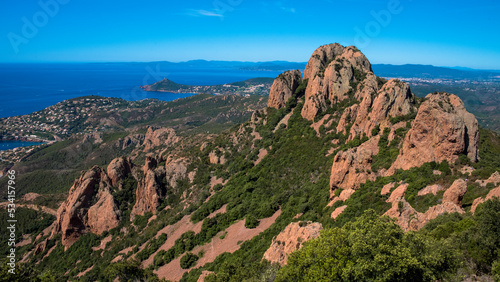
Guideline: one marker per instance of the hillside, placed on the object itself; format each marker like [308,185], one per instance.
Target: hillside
[253,86]
[343,176]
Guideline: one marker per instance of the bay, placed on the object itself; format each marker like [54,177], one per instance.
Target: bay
[26,88]
[7,145]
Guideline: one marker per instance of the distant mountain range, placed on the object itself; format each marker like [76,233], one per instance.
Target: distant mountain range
[429,71]
[384,70]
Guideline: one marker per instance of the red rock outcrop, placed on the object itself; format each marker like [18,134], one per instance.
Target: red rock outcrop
[494,178]
[156,181]
[149,191]
[329,71]
[104,214]
[160,136]
[410,219]
[118,170]
[387,188]
[493,193]
[392,100]
[283,88]
[89,207]
[344,195]
[217,157]
[338,211]
[456,192]
[434,189]
[175,169]
[442,130]
[291,239]
[351,168]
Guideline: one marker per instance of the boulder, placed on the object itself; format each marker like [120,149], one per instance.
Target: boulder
[456,192]
[291,239]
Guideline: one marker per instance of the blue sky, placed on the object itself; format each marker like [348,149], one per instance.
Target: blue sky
[442,33]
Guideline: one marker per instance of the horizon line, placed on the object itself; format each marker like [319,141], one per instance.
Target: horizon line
[459,68]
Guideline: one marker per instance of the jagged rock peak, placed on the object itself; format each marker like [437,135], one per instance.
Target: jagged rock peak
[442,130]
[283,88]
[90,207]
[324,55]
[334,73]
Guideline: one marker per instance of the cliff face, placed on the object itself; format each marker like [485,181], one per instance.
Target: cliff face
[335,74]
[283,88]
[351,168]
[89,207]
[157,179]
[442,130]
[150,190]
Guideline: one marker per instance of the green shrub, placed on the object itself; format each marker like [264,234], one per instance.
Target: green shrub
[188,260]
[251,222]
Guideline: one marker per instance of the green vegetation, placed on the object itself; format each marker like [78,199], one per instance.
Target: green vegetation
[489,150]
[293,178]
[129,271]
[387,153]
[251,222]
[371,248]
[188,260]
[29,222]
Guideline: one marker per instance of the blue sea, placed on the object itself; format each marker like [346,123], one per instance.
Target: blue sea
[7,145]
[26,88]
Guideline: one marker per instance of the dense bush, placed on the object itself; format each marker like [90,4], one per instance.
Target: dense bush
[371,248]
[188,260]
[251,222]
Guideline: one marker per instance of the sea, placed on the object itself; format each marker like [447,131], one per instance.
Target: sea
[26,87]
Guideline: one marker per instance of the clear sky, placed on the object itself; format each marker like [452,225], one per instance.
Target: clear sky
[441,33]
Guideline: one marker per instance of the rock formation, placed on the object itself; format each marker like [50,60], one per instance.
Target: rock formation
[89,207]
[161,136]
[157,179]
[351,168]
[410,219]
[494,178]
[434,189]
[329,71]
[456,192]
[493,193]
[442,130]
[150,190]
[217,157]
[119,169]
[291,239]
[283,88]
[175,169]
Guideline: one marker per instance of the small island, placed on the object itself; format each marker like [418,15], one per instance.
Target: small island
[253,86]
